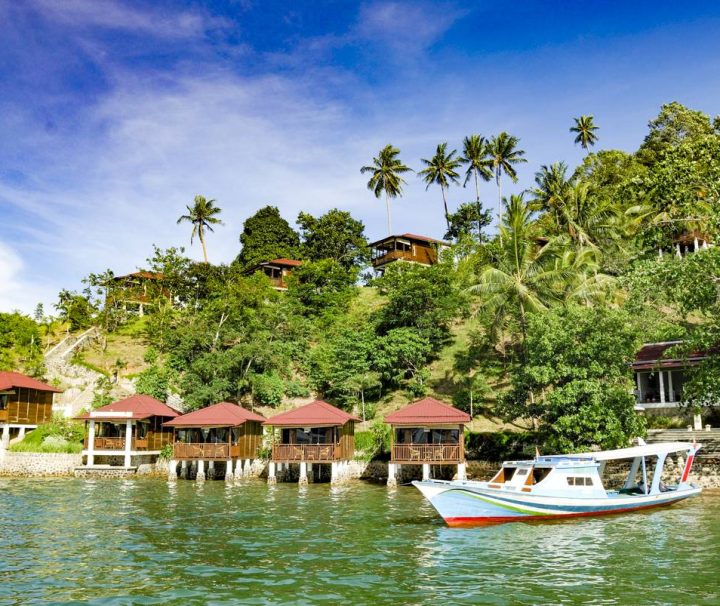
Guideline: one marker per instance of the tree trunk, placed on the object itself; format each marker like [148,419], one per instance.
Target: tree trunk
[447,215]
[362,399]
[387,207]
[202,241]
[479,206]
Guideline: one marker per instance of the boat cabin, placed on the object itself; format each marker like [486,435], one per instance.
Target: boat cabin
[405,247]
[222,432]
[277,271]
[25,403]
[314,434]
[427,432]
[582,475]
[128,429]
[660,374]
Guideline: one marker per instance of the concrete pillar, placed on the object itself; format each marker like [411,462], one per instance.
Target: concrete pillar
[334,479]
[671,391]
[91,444]
[21,434]
[184,470]
[696,245]
[172,470]
[310,475]
[200,471]
[128,442]
[461,472]
[247,470]
[426,472]
[238,469]
[211,470]
[303,474]
[271,473]
[697,422]
[661,376]
[229,471]
[392,480]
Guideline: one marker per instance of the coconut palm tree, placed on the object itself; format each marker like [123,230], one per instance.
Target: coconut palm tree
[202,216]
[503,156]
[475,155]
[585,129]
[521,276]
[386,169]
[441,169]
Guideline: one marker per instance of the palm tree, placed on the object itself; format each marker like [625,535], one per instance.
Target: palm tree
[475,155]
[550,192]
[386,170]
[503,156]
[585,129]
[202,216]
[441,169]
[520,277]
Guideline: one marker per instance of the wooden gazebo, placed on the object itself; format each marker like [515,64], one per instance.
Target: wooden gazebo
[221,432]
[128,428]
[25,403]
[427,432]
[317,433]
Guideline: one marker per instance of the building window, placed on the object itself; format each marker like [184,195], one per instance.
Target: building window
[3,401]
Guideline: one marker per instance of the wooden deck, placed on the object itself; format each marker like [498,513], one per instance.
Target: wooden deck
[320,453]
[427,453]
[116,444]
[183,451]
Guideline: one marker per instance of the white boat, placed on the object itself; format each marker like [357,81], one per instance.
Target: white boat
[563,486]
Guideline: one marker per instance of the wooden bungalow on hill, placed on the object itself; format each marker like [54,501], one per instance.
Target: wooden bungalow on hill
[277,271]
[222,432]
[25,403]
[135,291]
[127,429]
[405,247]
[686,243]
[660,373]
[315,434]
[427,432]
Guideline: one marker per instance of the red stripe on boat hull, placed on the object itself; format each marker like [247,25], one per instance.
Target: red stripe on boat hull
[481,521]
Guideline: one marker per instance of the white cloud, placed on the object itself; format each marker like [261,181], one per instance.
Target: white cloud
[18,289]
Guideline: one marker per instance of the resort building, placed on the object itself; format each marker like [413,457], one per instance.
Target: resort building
[134,292]
[130,430]
[405,247]
[315,434]
[24,404]
[660,374]
[222,432]
[277,271]
[686,243]
[427,432]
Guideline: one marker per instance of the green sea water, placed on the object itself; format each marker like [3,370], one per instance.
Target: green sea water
[148,542]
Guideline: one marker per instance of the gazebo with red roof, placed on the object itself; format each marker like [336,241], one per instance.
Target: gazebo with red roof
[277,270]
[427,432]
[24,404]
[405,247]
[128,428]
[317,433]
[221,432]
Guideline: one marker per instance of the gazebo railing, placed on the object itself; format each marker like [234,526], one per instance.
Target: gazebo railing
[189,451]
[306,452]
[117,443]
[427,453]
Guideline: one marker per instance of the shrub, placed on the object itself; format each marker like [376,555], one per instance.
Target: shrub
[58,435]
[499,446]
[268,389]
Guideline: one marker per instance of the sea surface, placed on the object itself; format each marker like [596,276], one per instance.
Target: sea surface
[73,541]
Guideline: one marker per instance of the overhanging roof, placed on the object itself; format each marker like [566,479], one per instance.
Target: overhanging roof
[10,380]
[407,236]
[427,411]
[655,356]
[135,407]
[223,414]
[315,414]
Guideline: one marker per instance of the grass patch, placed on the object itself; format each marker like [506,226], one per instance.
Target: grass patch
[60,435]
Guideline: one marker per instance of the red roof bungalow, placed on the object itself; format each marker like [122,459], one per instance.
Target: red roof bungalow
[24,403]
[277,270]
[132,427]
[427,432]
[221,432]
[315,433]
[686,243]
[405,247]
[133,292]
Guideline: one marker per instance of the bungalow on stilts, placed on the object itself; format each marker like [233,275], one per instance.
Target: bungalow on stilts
[427,432]
[315,434]
[125,430]
[223,432]
[25,403]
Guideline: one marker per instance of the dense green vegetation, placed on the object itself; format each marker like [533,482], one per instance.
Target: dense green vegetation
[534,325]
[59,435]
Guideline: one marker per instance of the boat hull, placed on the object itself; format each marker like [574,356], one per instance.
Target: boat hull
[465,504]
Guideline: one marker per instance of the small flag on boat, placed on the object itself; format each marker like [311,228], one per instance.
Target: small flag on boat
[537,453]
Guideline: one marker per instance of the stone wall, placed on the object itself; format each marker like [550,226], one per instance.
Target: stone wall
[28,464]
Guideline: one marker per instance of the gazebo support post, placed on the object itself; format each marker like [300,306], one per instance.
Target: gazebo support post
[426,472]
[200,471]
[229,471]
[392,480]
[271,473]
[128,442]
[247,471]
[211,470]
[91,442]
[303,481]
[461,472]
[172,470]
[183,470]
[334,479]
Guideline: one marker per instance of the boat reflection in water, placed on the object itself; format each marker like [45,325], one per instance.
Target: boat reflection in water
[562,486]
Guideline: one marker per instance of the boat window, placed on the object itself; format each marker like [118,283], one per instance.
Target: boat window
[576,481]
[539,474]
[522,472]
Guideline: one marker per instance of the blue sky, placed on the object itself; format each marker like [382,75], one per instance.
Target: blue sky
[114,114]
